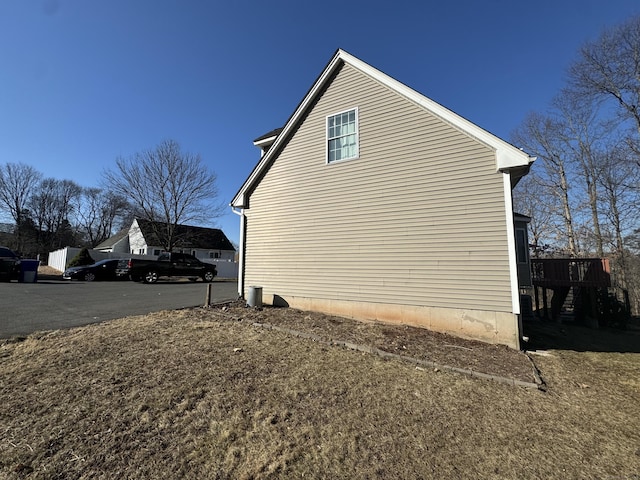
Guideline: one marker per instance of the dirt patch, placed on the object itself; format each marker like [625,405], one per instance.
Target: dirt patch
[410,342]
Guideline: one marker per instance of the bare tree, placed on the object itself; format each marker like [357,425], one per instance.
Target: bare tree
[167,187]
[618,179]
[581,131]
[96,213]
[542,136]
[17,182]
[609,69]
[51,208]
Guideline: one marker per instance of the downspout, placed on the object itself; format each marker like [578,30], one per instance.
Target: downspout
[241,254]
[513,264]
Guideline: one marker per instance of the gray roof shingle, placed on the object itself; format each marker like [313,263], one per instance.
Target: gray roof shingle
[189,236]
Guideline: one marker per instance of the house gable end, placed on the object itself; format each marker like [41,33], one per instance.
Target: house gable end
[507,157]
[110,243]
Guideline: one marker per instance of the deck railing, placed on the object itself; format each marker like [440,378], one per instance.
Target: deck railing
[571,272]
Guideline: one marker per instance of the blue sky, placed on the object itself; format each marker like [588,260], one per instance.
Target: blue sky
[83,82]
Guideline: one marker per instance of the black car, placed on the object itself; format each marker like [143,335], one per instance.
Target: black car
[9,264]
[102,270]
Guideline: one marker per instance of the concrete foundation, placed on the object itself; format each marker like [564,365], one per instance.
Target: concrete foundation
[487,326]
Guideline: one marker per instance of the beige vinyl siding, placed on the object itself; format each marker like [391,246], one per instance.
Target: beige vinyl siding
[418,219]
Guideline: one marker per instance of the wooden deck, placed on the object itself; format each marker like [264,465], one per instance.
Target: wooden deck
[584,278]
[571,272]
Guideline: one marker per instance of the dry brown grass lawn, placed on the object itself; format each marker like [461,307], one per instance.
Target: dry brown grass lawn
[200,394]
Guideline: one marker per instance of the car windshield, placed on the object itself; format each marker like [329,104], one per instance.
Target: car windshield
[5,252]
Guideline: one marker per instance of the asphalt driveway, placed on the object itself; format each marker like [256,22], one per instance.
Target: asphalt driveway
[54,304]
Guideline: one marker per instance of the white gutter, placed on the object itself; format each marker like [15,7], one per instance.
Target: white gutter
[241,252]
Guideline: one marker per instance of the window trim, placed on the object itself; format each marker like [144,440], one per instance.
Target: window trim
[327,139]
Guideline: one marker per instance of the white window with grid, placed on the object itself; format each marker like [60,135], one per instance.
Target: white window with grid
[342,136]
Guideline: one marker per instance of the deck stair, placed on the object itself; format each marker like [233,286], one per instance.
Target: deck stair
[574,283]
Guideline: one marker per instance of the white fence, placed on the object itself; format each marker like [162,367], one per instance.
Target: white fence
[60,258]
[225,268]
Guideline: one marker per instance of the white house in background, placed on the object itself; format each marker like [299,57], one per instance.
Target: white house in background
[375,202]
[140,239]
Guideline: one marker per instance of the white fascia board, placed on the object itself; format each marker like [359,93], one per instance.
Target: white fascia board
[507,156]
[265,141]
[238,201]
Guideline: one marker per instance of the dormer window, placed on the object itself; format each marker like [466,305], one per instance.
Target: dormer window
[342,136]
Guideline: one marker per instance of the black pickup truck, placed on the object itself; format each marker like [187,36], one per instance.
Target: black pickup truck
[167,265]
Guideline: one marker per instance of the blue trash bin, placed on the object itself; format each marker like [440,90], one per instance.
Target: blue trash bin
[28,271]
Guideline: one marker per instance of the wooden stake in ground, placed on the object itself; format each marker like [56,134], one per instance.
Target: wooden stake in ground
[207,298]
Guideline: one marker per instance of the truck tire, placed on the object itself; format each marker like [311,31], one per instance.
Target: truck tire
[208,276]
[150,277]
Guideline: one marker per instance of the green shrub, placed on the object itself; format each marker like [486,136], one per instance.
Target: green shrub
[82,258]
